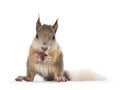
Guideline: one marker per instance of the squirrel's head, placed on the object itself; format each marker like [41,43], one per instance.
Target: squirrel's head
[45,34]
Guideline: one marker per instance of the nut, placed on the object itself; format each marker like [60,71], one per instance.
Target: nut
[43,55]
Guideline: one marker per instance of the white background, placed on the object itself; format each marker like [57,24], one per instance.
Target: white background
[88,33]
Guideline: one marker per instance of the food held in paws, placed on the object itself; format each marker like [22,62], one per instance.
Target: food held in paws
[43,55]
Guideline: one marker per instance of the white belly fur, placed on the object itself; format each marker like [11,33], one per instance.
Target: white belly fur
[44,69]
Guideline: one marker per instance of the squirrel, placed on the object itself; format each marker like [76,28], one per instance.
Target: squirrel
[46,58]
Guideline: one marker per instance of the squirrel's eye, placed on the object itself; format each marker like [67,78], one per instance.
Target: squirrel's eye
[53,37]
[36,36]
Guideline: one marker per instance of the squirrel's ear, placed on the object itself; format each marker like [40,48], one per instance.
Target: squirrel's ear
[38,24]
[55,26]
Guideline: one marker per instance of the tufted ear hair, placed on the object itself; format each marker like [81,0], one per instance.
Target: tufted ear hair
[55,26]
[38,24]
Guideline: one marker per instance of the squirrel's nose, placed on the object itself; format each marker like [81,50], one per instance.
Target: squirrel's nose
[44,48]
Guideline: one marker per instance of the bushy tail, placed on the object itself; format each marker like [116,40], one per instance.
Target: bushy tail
[84,75]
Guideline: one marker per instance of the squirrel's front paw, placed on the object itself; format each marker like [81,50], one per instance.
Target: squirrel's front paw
[37,58]
[47,59]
